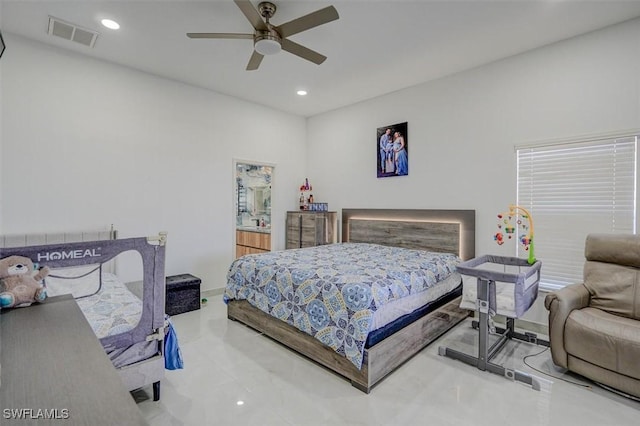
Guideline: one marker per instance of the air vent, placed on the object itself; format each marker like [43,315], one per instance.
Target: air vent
[72,32]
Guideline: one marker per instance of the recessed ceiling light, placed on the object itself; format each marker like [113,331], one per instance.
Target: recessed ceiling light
[240,403]
[112,25]
[302,92]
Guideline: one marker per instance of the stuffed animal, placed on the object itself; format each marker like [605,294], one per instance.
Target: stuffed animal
[18,286]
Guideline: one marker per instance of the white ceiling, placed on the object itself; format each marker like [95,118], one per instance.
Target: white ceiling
[376,47]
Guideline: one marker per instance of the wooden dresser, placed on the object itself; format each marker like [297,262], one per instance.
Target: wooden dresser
[311,228]
[250,242]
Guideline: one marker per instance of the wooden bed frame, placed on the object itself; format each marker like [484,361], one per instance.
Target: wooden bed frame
[433,230]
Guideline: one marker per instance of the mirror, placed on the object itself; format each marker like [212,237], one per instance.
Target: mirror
[262,200]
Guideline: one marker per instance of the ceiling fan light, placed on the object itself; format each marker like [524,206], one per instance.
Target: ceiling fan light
[267,46]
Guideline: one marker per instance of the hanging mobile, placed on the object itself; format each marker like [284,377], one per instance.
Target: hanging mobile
[523,228]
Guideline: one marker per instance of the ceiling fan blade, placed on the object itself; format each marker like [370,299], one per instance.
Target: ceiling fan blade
[252,14]
[303,52]
[306,22]
[254,61]
[220,35]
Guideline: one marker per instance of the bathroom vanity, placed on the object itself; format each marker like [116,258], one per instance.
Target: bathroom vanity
[252,239]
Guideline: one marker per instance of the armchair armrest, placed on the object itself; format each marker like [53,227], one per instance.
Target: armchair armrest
[560,304]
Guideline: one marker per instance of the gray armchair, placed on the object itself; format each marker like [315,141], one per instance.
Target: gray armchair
[594,327]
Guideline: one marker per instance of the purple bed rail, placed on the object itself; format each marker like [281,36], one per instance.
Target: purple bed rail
[152,251]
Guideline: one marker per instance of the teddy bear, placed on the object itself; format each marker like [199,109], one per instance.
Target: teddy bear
[18,285]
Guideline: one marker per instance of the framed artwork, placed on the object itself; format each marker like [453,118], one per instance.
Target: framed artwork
[2,46]
[392,150]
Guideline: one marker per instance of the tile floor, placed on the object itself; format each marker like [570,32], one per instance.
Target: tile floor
[226,362]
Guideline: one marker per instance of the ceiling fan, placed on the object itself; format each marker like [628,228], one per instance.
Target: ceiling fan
[269,39]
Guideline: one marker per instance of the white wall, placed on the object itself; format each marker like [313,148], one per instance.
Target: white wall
[462,129]
[86,143]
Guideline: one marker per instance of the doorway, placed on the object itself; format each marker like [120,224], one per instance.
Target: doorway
[252,205]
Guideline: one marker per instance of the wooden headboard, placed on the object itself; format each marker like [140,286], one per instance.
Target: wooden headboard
[450,231]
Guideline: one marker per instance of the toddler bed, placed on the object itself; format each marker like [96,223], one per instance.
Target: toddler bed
[130,329]
[360,308]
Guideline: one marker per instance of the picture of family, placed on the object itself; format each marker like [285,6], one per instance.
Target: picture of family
[392,150]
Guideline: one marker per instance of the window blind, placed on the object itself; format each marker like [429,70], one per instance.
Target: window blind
[572,190]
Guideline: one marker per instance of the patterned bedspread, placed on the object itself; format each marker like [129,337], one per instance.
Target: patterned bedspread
[331,292]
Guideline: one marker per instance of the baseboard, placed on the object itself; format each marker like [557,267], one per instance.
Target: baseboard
[213,292]
[533,327]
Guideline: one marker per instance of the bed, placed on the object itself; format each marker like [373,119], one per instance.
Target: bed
[364,348]
[130,328]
